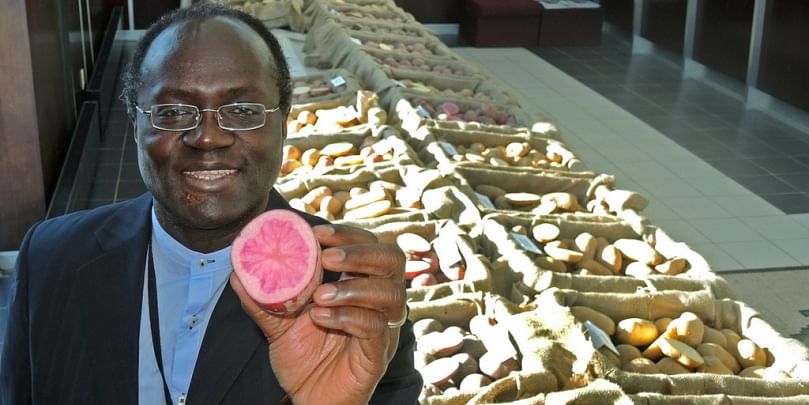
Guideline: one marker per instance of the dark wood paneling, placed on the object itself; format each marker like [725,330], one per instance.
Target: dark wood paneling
[784,54]
[619,13]
[434,11]
[148,11]
[723,36]
[22,194]
[664,23]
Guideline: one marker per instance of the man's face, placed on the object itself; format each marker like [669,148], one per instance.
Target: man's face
[208,177]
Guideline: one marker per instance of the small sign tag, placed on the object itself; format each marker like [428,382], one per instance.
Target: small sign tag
[448,148]
[424,113]
[485,201]
[447,251]
[338,81]
[599,337]
[333,11]
[527,243]
[356,41]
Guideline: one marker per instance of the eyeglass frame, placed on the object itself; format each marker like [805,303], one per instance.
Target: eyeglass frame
[199,115]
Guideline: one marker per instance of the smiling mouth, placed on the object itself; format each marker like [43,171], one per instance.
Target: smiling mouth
[210,175]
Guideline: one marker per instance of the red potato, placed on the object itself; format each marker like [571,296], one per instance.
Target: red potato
[440,371]
[440,344]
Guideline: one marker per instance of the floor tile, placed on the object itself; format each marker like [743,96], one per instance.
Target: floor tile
[793,203]
[716,257]
[746,205]
[696,208]
[662,187]
[716,185]
[758,254]
[726,230]
[778,227]
[799,181]
[681,231]
[766,184]
[797,248]
[737,167]
[783,165]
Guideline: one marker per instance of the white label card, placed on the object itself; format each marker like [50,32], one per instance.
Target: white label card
[424,113]
[527,243]
[448,148]
[338,81]
[447,251]
[356,41]
[599,337]
[485,201]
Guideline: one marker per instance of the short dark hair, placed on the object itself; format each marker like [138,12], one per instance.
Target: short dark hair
[132,78]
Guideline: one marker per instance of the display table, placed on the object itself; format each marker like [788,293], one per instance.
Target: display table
[570,23]
[488,23]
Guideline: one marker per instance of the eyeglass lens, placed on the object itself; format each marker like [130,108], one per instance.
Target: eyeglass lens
[243,116]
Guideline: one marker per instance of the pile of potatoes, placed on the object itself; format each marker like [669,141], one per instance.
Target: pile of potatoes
[486,113]
[415,47]
[423,88]
[515,154]
[384,29]
[333,120]
[424,266]
[590,255]
[303,90]
[379,198]
[420,65]
[373,16]
[455,359]
[680,346]
[372,150]
[548,203]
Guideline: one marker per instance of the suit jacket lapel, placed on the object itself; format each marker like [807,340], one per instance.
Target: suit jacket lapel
[111,289]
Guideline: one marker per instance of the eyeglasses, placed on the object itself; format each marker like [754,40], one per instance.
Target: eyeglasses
[185,117]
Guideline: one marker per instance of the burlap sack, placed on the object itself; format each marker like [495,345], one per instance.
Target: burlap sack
[431,43]
[552,350]
[406,112]
[477,276]
[356,106]
[789,356]
[273,13]
[442,85]
[384,27]
[434,149]
[646,398]
[345,91]
[324,11]
[534,274]
[402,153]
[405,64]
[440,200]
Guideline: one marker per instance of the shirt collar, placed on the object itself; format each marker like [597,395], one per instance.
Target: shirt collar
[183,256]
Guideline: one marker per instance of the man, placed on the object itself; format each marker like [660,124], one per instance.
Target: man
[135,302]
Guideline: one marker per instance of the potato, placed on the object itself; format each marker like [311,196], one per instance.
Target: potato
[299,205]
[672,267]
[750,354]
[371,196]
[522,199]
[610,356]
[713,349]
[610,256]
[474,382]
[425,326]
[688,328]
[372,210]
[316,195]
[681,352]
[413,243]
[473,346]
[642,365]
[421,359]
[627,353]
[753,372]
[639,250]
[635,331]
[310,157]
[732,339]
[440,371]
[594,267]
[555,250]
[604,322]
[586,244]
[564,201]
[496,366]
[289,166]
[714,366]
[423,280]
[712,335]
[331,205]
[545,232]
[669,366]
[467,365]
[662,324]
[291,152]
[638,270]
[440,344]
[338,149]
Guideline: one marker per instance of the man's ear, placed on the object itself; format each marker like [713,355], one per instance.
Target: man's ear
[284,127]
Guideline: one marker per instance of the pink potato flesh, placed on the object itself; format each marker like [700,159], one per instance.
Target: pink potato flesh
[277,259]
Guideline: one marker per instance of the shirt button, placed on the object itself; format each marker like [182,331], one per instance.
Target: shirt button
[193,321]
[203,262]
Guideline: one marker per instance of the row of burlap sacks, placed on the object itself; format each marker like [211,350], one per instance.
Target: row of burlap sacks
[559,365]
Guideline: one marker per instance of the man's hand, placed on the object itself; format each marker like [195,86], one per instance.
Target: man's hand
[336,350]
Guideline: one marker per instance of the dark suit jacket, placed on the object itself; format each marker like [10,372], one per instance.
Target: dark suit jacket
[74,317]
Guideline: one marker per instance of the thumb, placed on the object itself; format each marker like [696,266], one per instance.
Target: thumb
[272,325]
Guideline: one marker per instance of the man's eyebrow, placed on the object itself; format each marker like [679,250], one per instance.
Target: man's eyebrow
[183,93]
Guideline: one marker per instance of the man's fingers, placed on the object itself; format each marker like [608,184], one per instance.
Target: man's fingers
[378,294]
[377,260]
[336,235]
[358,322]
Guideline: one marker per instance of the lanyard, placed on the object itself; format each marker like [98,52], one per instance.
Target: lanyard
[154,323]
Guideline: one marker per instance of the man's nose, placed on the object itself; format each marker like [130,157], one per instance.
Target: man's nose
[208,134]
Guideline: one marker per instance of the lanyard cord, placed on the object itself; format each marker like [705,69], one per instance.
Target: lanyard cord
[155,323]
